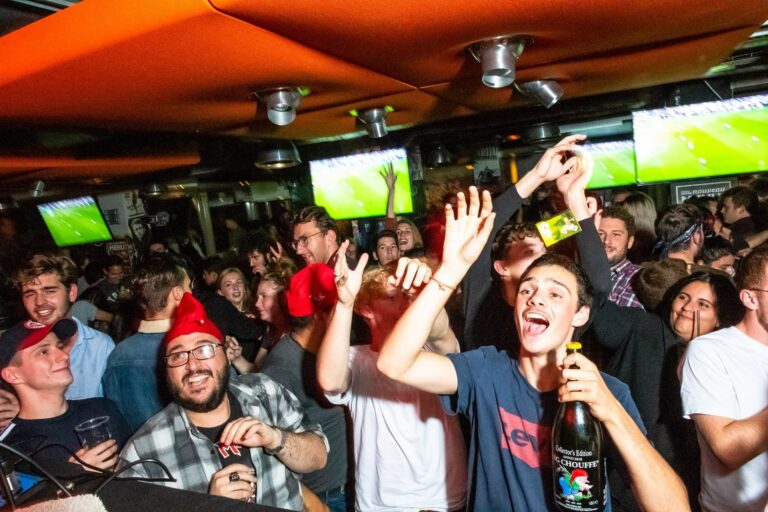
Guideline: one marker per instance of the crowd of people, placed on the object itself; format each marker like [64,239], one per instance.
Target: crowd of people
[310,374]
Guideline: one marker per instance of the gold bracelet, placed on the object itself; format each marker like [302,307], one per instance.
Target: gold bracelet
[442,286]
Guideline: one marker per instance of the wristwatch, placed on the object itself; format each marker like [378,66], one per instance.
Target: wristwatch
[279,447]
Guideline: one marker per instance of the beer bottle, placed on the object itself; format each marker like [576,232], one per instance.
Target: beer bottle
[578,463]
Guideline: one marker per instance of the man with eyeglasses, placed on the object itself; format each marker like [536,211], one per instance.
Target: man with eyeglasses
[244,440]
[315,235]
[725,392]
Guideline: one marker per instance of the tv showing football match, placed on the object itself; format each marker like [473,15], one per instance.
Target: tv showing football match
[352,186]
[75,221]
[702,140]
[613,164]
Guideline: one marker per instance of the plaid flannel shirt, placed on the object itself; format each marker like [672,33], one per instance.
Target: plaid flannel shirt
[191,458]
[622,293]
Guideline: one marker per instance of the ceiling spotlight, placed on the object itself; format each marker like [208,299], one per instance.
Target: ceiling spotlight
[374,120]
[154,190]
[497,57]
[278,157]
[439,156]
[546,92]
[38,188]
[8,203]
[281,105]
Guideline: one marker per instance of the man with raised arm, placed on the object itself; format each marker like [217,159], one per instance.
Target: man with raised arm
[511,403]
[409,455]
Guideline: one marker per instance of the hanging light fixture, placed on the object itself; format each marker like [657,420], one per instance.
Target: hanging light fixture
[281,105]
[38,188]
[374,120]
[498,57]
[280,156]
[546,92]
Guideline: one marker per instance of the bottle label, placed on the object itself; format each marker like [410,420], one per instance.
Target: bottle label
[578,472]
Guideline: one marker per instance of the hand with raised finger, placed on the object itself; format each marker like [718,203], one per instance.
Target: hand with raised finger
[276,252]
[102,456]
[233,347]
[551,165]
[585,384]
[250,432]
[236,481]
[466,235]
[348,281]
[388,173]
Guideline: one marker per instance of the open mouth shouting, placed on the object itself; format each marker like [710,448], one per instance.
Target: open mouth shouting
[196,381]
[534,323]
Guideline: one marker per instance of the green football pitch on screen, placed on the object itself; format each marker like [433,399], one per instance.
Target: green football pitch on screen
[699,141]
[75,221]
[352,187]
[614,164]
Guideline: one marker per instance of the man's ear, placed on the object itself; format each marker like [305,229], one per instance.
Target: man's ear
[631,242]
[498,266]
[581,317]
[72,292]
[748,299]
[375,257]
[10,375]
[219,292]
[365,313]
[177,293]
[330,235]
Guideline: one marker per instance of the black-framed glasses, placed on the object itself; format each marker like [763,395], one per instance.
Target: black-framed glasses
[201,353]
[302,240]
[757,290]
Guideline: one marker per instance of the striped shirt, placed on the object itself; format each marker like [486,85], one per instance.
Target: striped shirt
[172,439]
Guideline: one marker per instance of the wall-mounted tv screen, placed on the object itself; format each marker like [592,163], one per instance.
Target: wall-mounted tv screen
[75,221]
[614,164]
[702,140]
[351,187]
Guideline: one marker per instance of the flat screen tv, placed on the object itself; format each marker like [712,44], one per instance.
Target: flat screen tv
[351,187]
[702,140]
[614,164]
[75,221]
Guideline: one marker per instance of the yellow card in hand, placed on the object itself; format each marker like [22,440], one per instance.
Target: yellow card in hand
[558,228]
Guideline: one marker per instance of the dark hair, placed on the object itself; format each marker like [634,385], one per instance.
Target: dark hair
[318,214]
[214,264]
[113,260]
[617,212]
[752,271]
[256,241]
[673,224]
[716,247]
[153,281]
[584,287]
[47,263]
[742,197]
[760,186]
[655,278]
[508,234]
[730,310]
[384,233]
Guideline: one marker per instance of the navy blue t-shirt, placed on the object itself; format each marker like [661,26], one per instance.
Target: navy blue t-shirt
[511,422]
[38,437]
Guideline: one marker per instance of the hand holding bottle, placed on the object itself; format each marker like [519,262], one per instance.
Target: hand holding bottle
[585,384]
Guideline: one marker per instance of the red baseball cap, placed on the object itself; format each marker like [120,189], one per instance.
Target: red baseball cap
[28,334]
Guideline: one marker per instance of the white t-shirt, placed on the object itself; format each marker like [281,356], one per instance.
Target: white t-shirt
[409,454]
[726,374]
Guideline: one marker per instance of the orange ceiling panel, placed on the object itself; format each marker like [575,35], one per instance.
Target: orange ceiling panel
[424,43]
[162,65]
[46,167]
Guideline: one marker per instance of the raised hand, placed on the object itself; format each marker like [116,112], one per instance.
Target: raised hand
[575,180]
[348,281]
[551,166]
[410,273]
[467,232]
[233,348]
[236,481]
[276,252]
[388,173]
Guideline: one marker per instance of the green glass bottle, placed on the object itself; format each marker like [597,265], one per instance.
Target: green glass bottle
[578,461]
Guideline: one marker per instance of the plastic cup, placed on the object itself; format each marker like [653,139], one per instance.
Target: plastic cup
[93,432]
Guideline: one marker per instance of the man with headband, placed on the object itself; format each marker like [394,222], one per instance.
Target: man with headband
[244,440]
[681,233]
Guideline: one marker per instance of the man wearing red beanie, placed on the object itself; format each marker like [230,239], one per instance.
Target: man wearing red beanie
[244,439]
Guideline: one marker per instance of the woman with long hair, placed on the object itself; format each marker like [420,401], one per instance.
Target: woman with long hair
[231,285]
[641,206]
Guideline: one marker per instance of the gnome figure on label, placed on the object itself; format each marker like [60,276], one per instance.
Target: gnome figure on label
[575,485]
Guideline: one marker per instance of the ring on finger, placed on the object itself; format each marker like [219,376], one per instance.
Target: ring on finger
[234,477]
